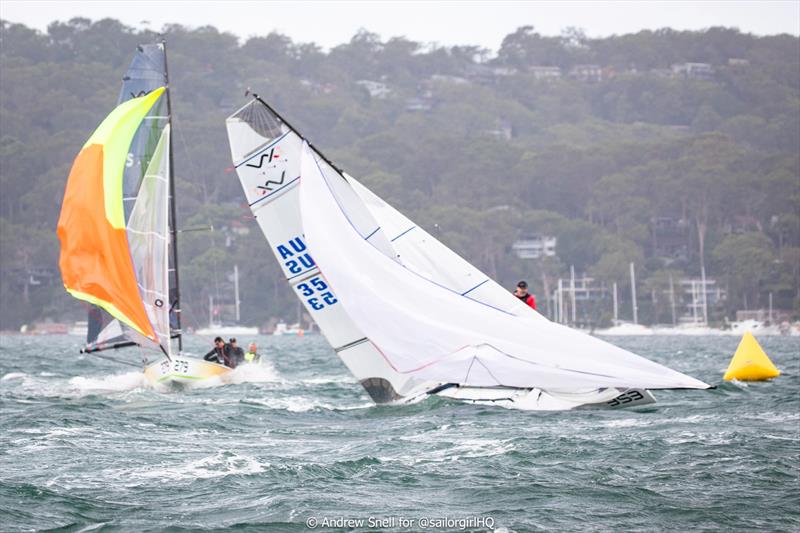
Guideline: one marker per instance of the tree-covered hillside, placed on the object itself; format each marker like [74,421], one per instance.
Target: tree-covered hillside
[669,149]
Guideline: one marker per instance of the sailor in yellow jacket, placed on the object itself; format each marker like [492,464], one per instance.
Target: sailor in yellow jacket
[252,355]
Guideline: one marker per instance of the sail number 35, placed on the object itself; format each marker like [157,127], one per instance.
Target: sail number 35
[315,292]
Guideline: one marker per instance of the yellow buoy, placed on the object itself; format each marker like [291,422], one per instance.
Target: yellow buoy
[750,363]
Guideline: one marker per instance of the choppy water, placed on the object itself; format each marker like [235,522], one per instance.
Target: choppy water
[85,446]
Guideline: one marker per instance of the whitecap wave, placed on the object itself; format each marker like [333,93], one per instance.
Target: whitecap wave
[221,464]
[113,383]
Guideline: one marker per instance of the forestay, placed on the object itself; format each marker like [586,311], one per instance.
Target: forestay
[434,333]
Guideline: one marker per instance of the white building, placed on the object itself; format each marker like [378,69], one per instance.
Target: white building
[535,247]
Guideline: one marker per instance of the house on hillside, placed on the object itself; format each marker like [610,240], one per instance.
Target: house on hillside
[587,73]
[535,246]
[670,238]
[376,89]
[694,71]
[545,73]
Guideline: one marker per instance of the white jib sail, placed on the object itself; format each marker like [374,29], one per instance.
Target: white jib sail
[435,333]
[419,251]
[148,238]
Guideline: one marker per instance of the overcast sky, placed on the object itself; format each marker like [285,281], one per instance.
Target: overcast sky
[483,23]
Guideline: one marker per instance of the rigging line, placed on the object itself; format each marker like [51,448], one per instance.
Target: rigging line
[182,138]
[179,128]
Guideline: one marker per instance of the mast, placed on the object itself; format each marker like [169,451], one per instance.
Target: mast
[236,290]
[176,305]
[672,299]
[704,300]
[633,295]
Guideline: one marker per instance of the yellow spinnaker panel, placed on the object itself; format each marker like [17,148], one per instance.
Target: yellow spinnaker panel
[750,363]
[95,260]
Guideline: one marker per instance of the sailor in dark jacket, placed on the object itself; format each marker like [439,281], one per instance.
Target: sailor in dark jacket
[219,354]
[234,352]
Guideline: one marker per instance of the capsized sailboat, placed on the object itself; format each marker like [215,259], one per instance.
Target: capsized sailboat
[407,315]
[117,228]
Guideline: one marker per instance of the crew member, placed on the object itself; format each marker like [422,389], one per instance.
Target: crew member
[252,355]
[235,353]
[522,293]
[219,354]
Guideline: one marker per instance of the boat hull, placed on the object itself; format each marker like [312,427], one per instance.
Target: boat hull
[541,400]
[183,371]
[227,331]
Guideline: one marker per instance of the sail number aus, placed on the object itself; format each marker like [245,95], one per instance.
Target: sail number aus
[294,255]
[316,293]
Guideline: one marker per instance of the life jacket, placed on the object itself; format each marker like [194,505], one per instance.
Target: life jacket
[529,300]
[250,357]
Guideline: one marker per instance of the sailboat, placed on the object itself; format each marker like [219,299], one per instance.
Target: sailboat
[218,328]
[407,315]
[117,229]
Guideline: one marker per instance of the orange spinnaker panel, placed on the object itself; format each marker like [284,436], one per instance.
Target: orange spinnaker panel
[95,261]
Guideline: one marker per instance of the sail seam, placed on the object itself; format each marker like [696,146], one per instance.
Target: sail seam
[310,275]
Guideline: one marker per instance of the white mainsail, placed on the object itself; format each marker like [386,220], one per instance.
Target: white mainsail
[266,154]
[435,333]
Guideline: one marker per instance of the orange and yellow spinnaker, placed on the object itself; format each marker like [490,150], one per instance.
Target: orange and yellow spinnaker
[95,260]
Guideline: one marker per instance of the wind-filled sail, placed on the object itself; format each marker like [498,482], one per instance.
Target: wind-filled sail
[430,331]
[96,263]
[146,73]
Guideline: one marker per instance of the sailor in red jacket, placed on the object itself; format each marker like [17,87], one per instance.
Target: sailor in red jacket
[522,294]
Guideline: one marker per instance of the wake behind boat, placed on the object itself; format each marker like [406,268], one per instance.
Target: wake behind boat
[407,315]
[117,227]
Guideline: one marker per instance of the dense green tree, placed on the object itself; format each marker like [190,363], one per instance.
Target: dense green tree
[479,151]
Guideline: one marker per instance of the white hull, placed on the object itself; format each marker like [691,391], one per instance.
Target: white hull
[183,371]
[223,331]
[625,329]
[282,329]
[539,400]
